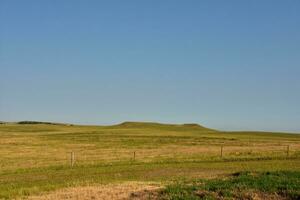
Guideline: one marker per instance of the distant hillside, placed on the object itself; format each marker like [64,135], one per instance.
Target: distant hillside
[130,125]
[154,125]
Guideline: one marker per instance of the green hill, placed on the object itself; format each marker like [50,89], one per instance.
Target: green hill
[160,126]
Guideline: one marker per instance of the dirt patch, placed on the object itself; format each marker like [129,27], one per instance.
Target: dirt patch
[124,191]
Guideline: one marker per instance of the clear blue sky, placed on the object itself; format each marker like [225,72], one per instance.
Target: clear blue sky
[224,64]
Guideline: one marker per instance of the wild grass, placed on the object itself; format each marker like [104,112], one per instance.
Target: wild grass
[243,185]
[36,157]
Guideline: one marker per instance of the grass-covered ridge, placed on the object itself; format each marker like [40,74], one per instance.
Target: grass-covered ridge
[153,125]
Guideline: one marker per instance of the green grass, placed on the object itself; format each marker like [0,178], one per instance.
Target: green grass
[24,182]
[244,185]
[35,157]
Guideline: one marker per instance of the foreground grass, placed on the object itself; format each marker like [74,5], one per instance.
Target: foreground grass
[244,185]
[27,182]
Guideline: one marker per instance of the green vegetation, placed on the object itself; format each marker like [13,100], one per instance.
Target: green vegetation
[35,156]
[35,122]
[244,185]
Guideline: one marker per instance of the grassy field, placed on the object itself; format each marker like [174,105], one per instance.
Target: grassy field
[246,185]
[35,159]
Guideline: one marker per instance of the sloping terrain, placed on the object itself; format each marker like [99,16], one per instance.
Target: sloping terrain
[40,157]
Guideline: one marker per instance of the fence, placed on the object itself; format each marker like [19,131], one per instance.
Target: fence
[217,153]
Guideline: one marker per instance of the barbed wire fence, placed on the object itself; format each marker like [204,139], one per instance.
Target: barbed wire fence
[224,153]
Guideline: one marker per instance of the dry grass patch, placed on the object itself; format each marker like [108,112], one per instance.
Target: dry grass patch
[122,191]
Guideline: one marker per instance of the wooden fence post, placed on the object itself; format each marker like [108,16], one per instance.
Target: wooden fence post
[287,151]
[134,156]
[221,151]
[72,158]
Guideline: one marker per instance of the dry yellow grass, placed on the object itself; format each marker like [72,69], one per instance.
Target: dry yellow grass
[27,146]
[36,158]
[122,191]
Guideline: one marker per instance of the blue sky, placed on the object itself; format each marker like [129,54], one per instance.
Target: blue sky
[230,65]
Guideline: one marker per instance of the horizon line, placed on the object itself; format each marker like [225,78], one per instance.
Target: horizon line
[36,122]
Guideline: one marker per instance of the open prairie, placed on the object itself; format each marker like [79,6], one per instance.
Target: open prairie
[36,159]
[136,67]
